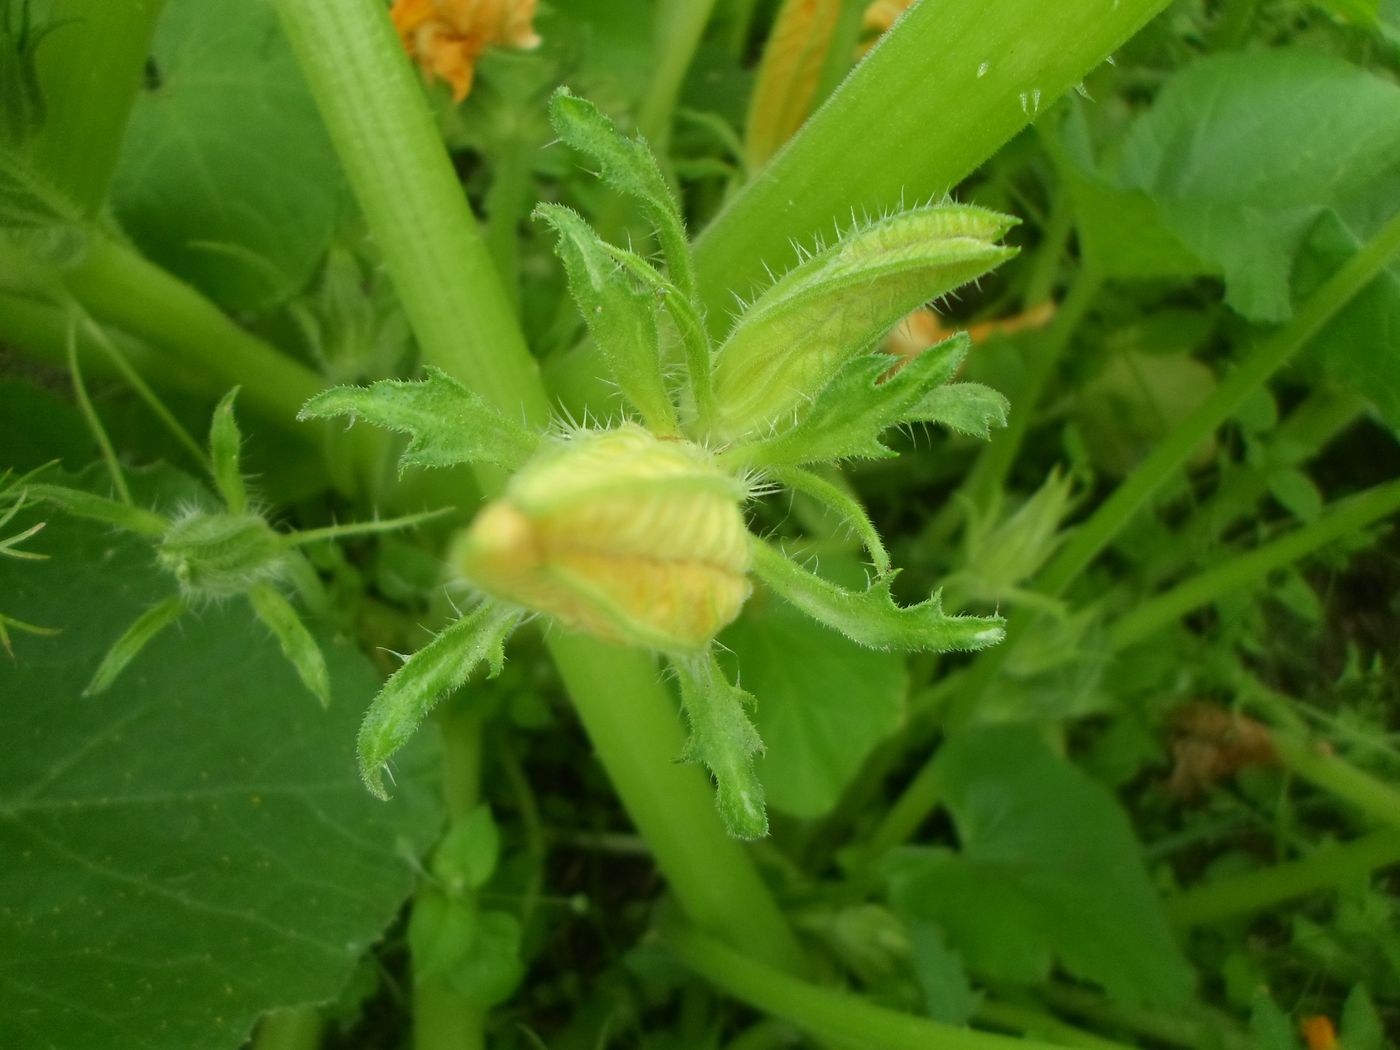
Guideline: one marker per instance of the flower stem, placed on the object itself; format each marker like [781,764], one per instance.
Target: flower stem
[1326,868]
[1343,518]
[830,1015]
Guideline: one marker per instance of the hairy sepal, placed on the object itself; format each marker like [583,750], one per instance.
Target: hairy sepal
[799,334]
[724,740]
[841,503]
[863,401]
[300,649]
[136,637]
[620,316]
[430,674]
[447,424]
[871,617]
[225,442]
[82,504]
[627,165]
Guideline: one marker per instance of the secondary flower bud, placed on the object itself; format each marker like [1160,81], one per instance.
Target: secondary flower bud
[220,555]
[619,533]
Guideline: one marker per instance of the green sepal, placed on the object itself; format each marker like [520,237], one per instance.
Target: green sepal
[125,649]
[429,675]
[799,334]
[627,165]
[278,616]
[842,504]
[447,423]
[724,739]
[225,463]
[620,316]
[82,504]
[871,617]
[859,404]
[968,408]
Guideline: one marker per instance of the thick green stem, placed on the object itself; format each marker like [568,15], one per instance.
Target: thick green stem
[637,738]
[1327,868]
[1374,797]
[826,1013]
[373,106]
[295,1028]
[1190,1032]
[90,70]
[1341,519]
[117,286]
[903,128]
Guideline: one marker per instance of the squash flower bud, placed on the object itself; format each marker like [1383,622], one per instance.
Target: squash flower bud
[220,555]
[618,533]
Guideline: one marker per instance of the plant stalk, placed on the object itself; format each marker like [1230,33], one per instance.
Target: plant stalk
[1326,868]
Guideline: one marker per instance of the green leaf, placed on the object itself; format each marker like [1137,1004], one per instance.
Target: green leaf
[136,637]
[476,953]
[968,408]
[948,997]
[1048,869]
[725,741]
[1362,1028]
[226,175]
[857,406]
[98,508]
[628,166]
[1241,176]
[448,423]
[467,855]
[871,617]
[826,703]
[428,676]
[1269,1026]
[620,316]
[799,334]
[193,849]
[225,443]
[278,616]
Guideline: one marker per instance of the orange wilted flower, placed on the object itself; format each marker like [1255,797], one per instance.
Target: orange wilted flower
[446,37]
[1319,1034]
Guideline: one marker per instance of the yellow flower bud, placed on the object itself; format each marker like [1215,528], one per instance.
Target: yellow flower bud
[618,533]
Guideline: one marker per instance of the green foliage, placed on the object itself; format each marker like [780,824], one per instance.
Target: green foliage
[871,617]
[815,730]
[447,423]
[1048,870]
[724,739]
[193,847]
[620,316]
[431,673]
[226,175]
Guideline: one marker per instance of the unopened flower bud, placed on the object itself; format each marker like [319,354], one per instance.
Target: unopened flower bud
[618,533]
[220,555]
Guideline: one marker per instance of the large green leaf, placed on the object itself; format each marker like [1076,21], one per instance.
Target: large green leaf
[226,176]
[194,846]
[824,703]
[1049,870]
[1243,153]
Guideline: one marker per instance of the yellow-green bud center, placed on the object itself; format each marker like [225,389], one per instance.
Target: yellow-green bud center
[618,533]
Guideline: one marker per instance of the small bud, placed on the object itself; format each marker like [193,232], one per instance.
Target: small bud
[618,533]
[220,555]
